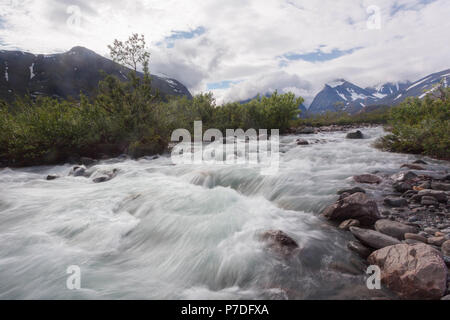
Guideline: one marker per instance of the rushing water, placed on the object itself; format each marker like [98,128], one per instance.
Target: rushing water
[159,231]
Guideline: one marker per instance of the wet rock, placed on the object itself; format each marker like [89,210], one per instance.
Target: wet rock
[431,231]
[412,271]
[78,171]
[402,187]
[373,239]
[404,176]
[279,242]
[409,194]
[105,176]
[436,241]
[306,130]
[447,297]
[359,249]
[416,237]
[440,186]
[446,248]
[396,202]
[440,196]
[413,166]
[429,201]
[394,229]
[355,135]
[420,162]
[87,161]
[356,206]
[51,177]
[302,142]
[349,223]
[368,179]
[351,191]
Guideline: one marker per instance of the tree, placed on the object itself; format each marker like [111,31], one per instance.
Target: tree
[131,53]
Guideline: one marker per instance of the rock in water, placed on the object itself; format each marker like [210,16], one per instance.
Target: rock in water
[359,248]
[396,202]
[78,171]
[412,271]
[355,135]
[279,242]
[51,177]
[356,206]
[306,130]
[440,196]
[446,248]
[394,229]
[373,239]
[351,191]
[349,223]
[105,176]
[368,178]
[412,166]
[302,142]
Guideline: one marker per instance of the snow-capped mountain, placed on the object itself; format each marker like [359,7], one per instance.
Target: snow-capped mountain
[341,95]
[66,74]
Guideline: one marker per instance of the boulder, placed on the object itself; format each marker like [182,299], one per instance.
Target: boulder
[78,171]
[279,242]
[394,229]
[351,191]
[302,142]
[416,237]
[396,202]
[359,249]
[436,241]
[440,196]
[420,162]
[373,239]
[429,201]
[349,223]
[104,176]
[355,135]
[446,248]
[306,130]
[412,271]
[413,166]
[51,177]
[404,176]
[402,187]
[356,206]
[440,186]
[368,178]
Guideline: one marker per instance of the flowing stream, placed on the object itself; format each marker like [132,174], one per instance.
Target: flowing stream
[160,231]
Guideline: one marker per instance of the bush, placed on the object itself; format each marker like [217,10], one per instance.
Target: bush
[420,127]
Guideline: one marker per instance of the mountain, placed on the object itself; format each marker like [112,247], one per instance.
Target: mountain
[341,95]
[66,74]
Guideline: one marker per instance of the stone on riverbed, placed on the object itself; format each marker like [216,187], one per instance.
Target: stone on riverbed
[368,178]
[412,271]
[356,206]
[373,239]
[359,249]
[416,237]
[404,176]
[351,191]
[446,248]
[355,135]
[440,196]
[51,177]
[440,186]
[436,241]
[349,223]
[279,242]
[302,142]
[396,202]
[413,166]
[402,187]
[394,229]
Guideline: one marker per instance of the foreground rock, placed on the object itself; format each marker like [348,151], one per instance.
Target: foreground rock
[279,242]
[412,271]
[355,135]
[349,223]
[368,178]
[356,206]
[395,229]
[396,202]
[373,239]
[446,248]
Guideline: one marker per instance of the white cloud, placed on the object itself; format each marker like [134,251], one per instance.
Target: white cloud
[244,39]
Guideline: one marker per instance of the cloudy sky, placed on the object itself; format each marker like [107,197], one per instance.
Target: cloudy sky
[237,48]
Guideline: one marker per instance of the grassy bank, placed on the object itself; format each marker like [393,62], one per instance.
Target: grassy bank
[123,118]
